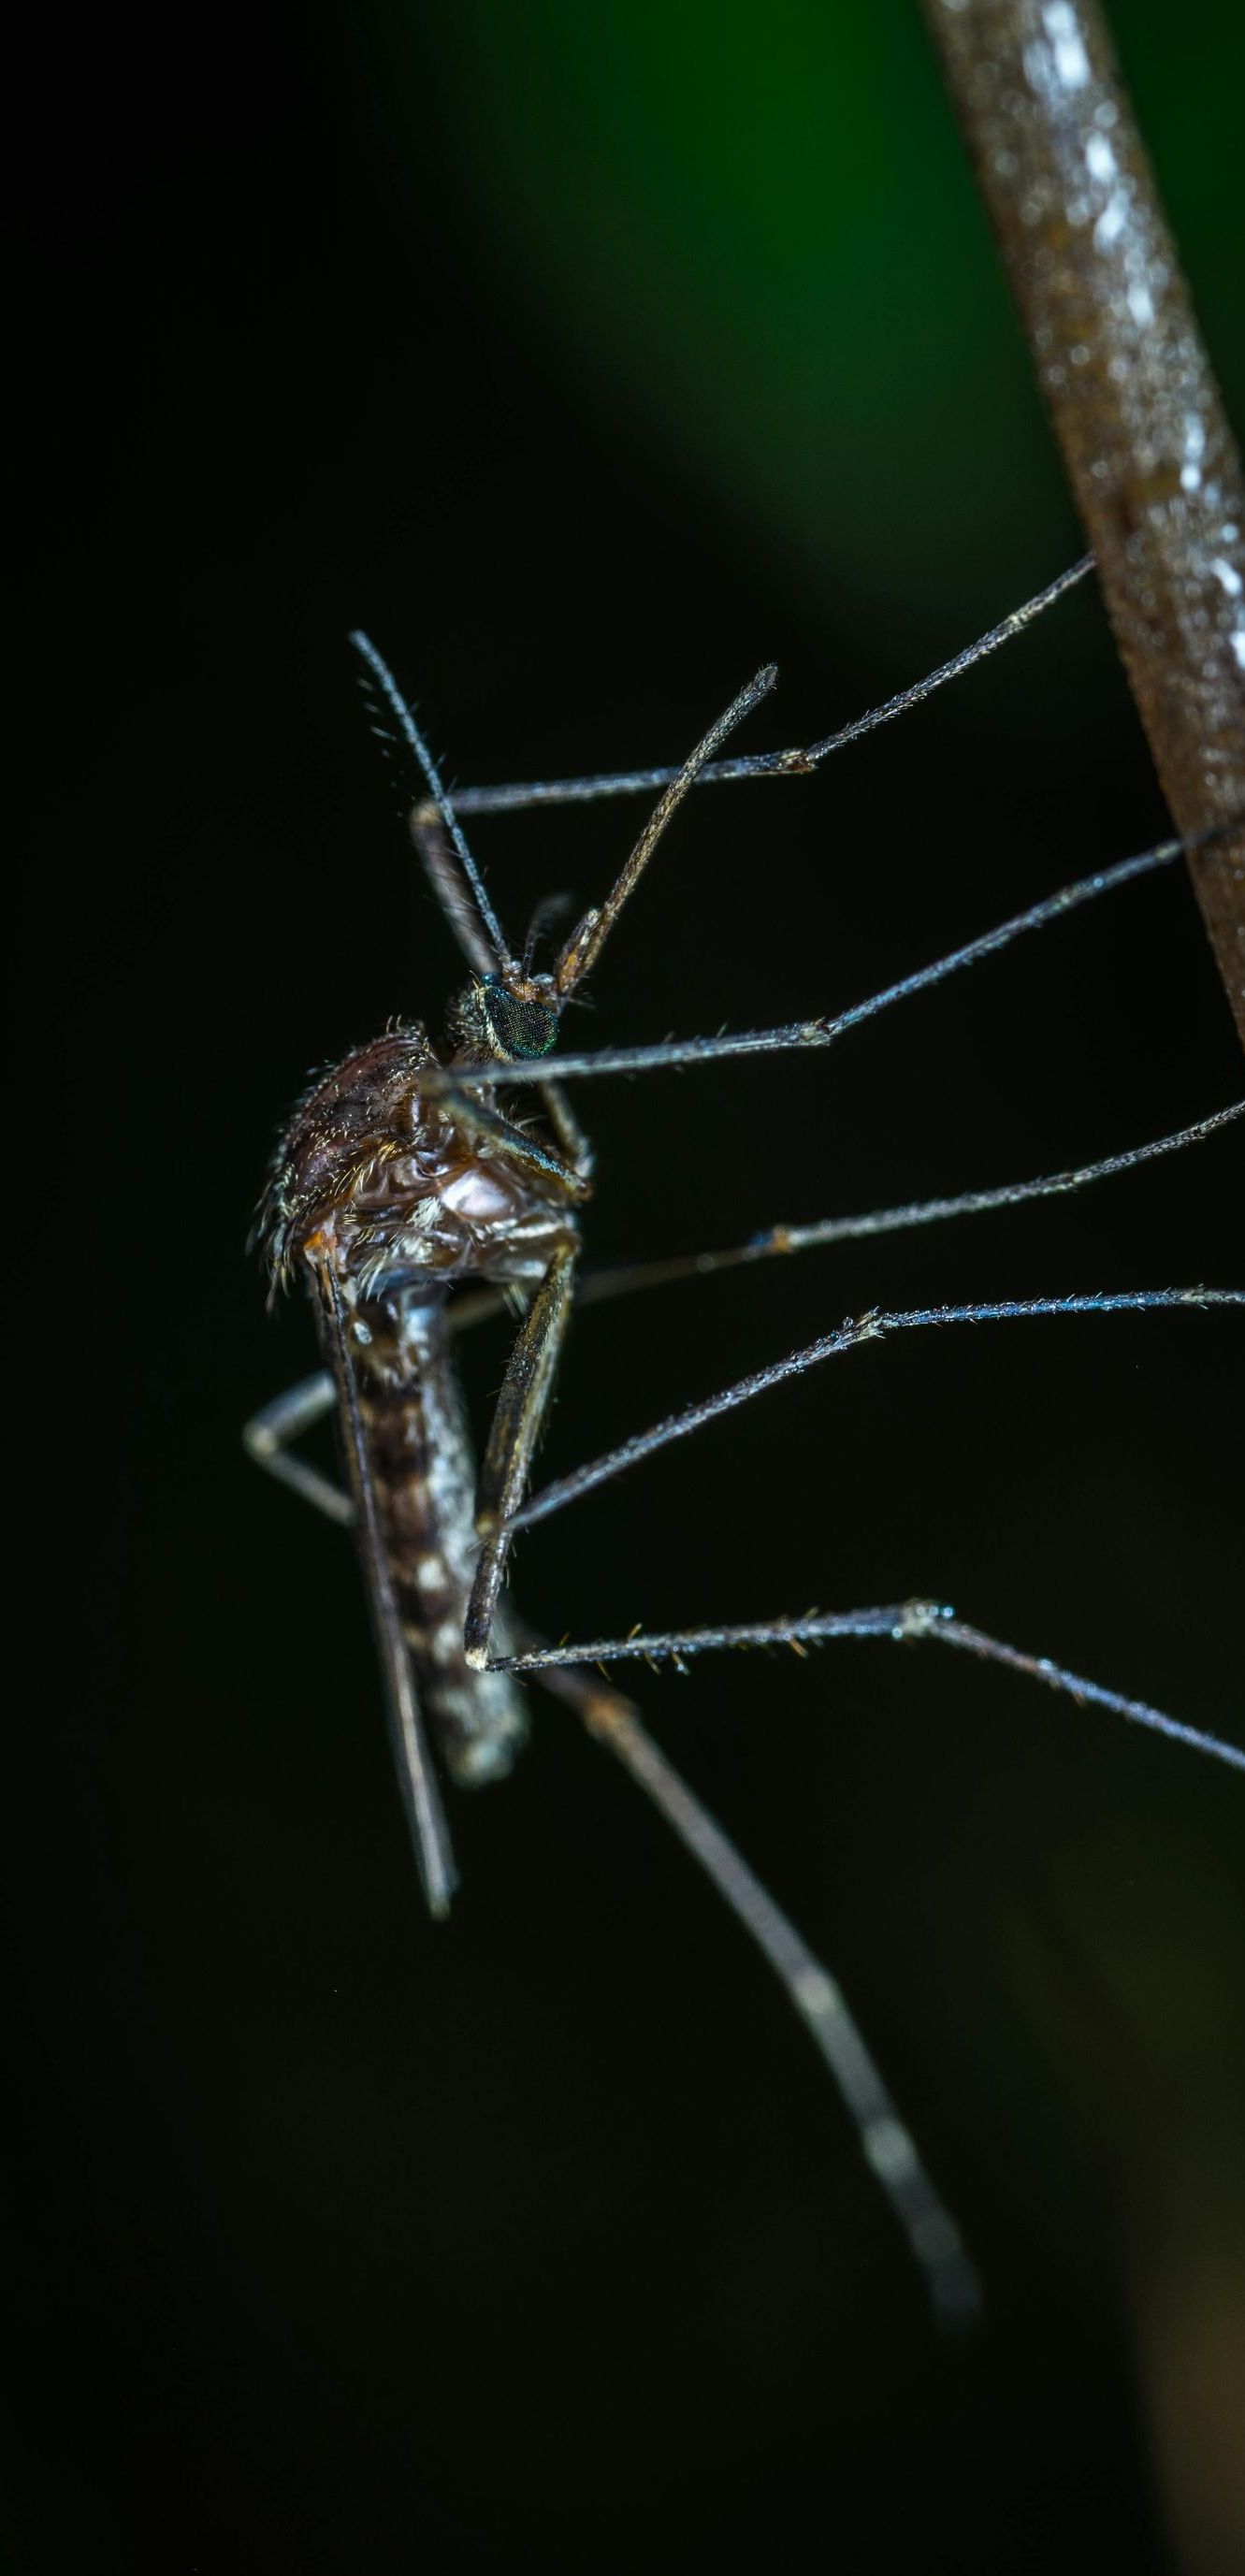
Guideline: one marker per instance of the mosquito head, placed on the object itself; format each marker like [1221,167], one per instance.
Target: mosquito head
[507,1014]
[510,1019]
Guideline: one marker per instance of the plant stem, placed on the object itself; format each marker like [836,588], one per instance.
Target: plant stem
[1135,406]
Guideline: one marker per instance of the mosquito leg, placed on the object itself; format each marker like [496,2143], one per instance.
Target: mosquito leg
[858,1329]
[525,1392]
[269,1433]
[778,1240]
[929,1621]
[902,1621]
[772,764]
[572,1140]
[886,2143]
[600,1287]
[821,1031]
[525,1153]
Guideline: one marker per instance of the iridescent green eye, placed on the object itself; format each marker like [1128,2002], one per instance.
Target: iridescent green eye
[517,1028]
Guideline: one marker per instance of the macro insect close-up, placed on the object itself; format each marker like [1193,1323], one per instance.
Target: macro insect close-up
[397,1181]
[593,768]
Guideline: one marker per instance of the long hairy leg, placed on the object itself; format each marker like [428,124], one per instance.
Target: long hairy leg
[885,2141]
[905,1622]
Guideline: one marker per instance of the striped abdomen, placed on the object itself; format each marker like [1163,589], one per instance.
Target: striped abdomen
[423,1472]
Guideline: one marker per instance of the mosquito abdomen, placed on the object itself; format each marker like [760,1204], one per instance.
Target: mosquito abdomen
[424,1480]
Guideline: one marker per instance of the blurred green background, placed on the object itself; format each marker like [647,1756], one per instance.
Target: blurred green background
[760,241]
[589,359]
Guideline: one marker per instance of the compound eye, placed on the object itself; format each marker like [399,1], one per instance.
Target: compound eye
[517,1029]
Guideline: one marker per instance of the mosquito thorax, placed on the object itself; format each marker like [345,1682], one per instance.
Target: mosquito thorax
[512,1019]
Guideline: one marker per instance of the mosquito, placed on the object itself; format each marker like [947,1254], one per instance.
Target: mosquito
[412,1195]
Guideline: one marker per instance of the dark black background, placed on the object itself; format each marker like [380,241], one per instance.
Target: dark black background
[341,2240]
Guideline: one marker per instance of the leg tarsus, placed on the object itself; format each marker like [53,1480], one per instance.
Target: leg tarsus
[887,2145]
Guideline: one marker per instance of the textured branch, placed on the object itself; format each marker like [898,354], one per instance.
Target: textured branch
[1135,406]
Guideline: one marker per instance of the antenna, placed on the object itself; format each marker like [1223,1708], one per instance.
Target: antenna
[385,682]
